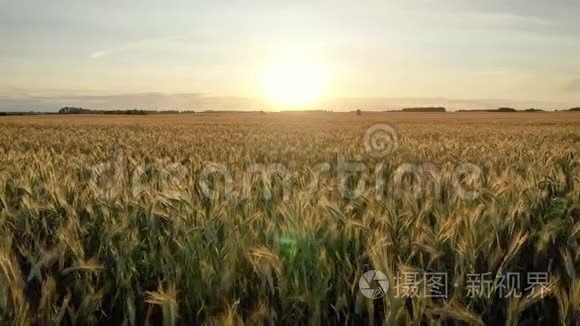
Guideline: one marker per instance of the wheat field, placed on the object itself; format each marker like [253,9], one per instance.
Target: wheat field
[104,219]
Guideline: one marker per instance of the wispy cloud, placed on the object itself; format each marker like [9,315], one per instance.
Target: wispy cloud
[98,54]
[137,45]
[503,17]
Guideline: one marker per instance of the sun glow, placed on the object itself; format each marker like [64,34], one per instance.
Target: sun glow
[295,81]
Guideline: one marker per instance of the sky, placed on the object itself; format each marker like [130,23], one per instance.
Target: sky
[211,54]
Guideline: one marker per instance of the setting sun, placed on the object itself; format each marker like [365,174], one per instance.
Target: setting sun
[294,81]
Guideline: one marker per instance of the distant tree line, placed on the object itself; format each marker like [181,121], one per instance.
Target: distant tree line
[421,109]
[425,109]
[4,114]
[504,109]
[75,110]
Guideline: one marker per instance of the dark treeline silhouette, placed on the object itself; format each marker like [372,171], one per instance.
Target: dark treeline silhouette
[504,109]
[421,109]
[75,110]
[4,114]
[533,110]
[425,109]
